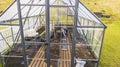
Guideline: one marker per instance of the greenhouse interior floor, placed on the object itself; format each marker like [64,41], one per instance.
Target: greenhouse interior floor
[60,55]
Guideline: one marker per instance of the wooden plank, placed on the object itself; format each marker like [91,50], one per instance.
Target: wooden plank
[68,52]
[31,63]
[61,54]
[64,58]
[41,64]
[38,64]
[67,56]
[44,64]
[39,54]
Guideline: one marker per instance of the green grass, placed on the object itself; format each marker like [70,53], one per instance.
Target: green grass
[0,64]
[4,4]
[111,48]
[110,7]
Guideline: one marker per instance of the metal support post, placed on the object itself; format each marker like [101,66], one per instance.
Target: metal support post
[22,33]
[74,33]
[101,47]
[48,31]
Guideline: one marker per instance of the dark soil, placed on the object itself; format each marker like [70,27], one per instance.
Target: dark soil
[14,62]
[82,51]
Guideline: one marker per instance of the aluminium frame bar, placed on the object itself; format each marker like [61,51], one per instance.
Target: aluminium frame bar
[29,42]
[62,6]
[49,5]
[101,47]
[74,33]
[11,56]
[38,43]
[81,26]
[85,59]
[61,26]
[47,10]
[10,24]
[32,4]
[18,19]
[22,33]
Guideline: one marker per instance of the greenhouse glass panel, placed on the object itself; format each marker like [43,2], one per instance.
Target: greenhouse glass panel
[50,33]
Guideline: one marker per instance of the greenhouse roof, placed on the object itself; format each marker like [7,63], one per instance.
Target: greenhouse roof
[38,6]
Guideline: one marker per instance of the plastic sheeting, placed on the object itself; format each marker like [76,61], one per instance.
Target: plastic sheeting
[80,63]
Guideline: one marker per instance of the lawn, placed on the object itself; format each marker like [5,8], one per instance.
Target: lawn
[111,48]
[0,64]
[4,4]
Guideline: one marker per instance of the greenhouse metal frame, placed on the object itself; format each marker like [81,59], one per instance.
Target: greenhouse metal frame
[70,20]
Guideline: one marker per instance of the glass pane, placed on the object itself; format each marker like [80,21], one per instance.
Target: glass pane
[88,43]
[61,25]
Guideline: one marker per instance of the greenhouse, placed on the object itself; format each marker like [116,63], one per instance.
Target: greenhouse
[50,33]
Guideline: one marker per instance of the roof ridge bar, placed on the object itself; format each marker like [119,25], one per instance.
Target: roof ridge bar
[49,5]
